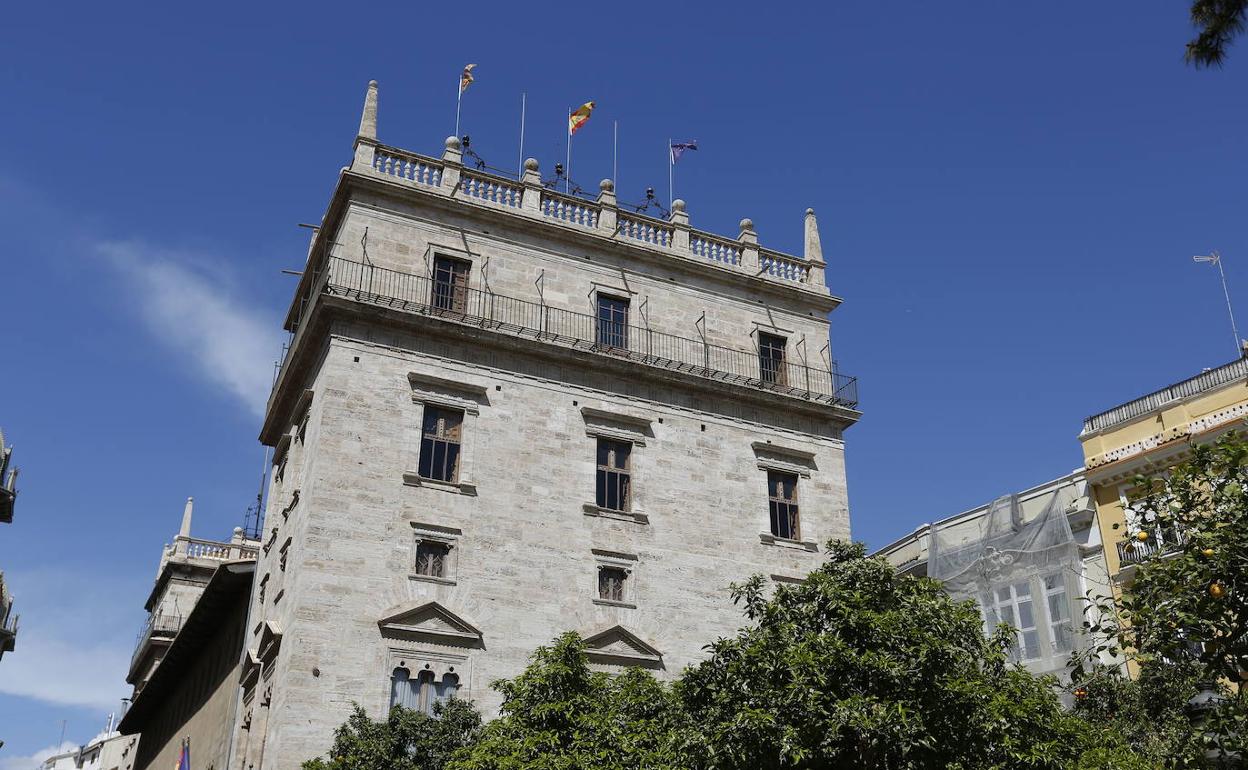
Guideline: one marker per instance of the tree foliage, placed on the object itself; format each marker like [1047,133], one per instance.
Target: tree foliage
[858,667]
[560,715]
[1219,22]
[1183,617]
[405,740]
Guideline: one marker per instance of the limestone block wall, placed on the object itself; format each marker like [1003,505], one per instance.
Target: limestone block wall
[526,552]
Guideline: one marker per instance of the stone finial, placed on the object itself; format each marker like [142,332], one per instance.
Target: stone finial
[185,531]
[530,164]
[606,185]
[453,143]
[678,205]
[368,120]
[747,225]
[748,236]
[814,250]
[453,152]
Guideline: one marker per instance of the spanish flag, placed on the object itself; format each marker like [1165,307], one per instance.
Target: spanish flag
[465,79]
[580,117]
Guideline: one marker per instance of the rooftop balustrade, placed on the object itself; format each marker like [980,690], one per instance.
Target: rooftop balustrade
[1214,378]
[212,550]
[529,197]
[644,346]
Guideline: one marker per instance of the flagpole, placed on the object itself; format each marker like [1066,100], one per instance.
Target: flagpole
[520,164]
[567,166]
[615,147]
[671,191]
[459,98]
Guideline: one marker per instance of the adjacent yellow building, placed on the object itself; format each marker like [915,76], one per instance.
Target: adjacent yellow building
[1147,436]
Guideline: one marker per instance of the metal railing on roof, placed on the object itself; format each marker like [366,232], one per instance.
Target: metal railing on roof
[1204,381]
[157,626]
[414,293]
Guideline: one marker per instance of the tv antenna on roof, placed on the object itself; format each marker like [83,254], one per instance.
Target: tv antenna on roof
[1215,258]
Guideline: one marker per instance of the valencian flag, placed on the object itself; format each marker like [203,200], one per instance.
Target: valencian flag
[580,117]
[466,79]
[678,148]
[184,756]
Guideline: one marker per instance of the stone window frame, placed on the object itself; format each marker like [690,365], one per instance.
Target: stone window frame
[443,393]
[617,426]
[627,562]
[784,459]
[440,662]
[445,536]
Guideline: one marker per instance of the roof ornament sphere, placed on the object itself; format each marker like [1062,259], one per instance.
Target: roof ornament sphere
[678,205]
[747,224]
[606,185]
[530,164]
[810,212]
[452,143]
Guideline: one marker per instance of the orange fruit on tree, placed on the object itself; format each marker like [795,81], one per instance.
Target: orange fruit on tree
[1141,536]
[1217,590]
[1207,552]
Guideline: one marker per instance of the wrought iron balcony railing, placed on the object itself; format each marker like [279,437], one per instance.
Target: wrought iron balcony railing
[419,294]
[1160,541]
[158,626]
[1214,378]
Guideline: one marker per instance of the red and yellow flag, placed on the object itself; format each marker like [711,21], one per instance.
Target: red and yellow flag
[580,117]
[466,79]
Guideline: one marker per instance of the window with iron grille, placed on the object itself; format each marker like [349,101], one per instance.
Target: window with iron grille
[782,494]
[431,558]
[450,284]
[771,365]
[441,434]
[612,322]
[614,476]
[611,583]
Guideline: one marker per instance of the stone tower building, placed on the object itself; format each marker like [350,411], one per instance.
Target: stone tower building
[507,412]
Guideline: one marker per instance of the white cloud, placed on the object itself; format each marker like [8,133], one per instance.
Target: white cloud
[34,761]
[73,643]
[199,315]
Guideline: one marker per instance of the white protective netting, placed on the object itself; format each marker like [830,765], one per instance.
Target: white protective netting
[1022,574]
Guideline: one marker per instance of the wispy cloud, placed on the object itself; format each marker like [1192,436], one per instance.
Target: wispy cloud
[73,646]
[34,761]
[200,316]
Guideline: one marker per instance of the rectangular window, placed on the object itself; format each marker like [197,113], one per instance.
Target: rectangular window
[450,284]
[1015,609]
[612,322]
[614,476]
[431,559]
[611,583]
[782,498]
[440,439]
[771,366]
[1059,613]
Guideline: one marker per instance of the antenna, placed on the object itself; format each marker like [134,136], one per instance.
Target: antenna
[1215,258]
[255,511]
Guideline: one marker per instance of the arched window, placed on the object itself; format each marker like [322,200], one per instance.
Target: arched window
[421,693]
[448,687]
[403,691]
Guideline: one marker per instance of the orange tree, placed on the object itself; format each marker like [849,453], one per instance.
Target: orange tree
[1184,615]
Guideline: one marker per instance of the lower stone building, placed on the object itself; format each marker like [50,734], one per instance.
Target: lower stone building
[1032,559]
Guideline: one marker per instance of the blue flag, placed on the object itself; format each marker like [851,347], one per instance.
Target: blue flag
[678,148]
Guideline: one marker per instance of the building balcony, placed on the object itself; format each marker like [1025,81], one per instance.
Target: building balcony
[156,633]
[8,621]
[1205,381]
[1160,541]
[8,482]
[213,550]
[419,295]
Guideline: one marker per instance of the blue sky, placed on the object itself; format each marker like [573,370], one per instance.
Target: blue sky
[1009,196]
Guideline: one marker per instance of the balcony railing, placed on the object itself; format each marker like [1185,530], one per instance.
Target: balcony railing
[1222,375]
[158,626]
[213,550]
[473,307]
[1160,541]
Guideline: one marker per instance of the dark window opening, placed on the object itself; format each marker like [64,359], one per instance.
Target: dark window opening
[450,284]
[771,364]
[612,322]
[614,476]
[782,498]
[431,559]
[611,583]
[440,439]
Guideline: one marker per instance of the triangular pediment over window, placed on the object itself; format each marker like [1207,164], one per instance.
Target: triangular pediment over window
[620,647]
[430,622]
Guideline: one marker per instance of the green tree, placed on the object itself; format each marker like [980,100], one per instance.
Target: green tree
[1184,616]
[858,667]
[560,715]
[1219,22]
[404,740]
